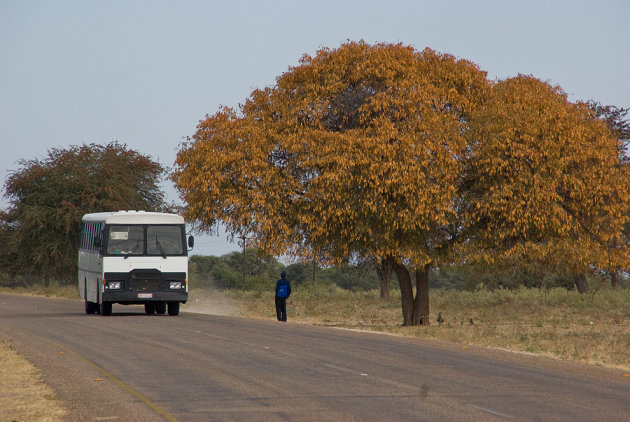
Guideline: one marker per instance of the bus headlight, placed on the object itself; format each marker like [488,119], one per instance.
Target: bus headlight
[114,285]
[176,285]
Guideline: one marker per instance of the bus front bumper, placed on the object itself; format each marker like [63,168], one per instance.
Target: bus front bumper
[131,298]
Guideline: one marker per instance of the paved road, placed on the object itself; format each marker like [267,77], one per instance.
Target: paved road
[208,368]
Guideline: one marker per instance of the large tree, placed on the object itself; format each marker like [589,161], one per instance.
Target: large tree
[545,186]
[358,150]
[48,197]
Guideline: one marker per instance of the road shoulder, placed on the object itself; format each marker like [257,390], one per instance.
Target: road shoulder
[86,394]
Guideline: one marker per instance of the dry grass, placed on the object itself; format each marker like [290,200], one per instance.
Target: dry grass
[23,394]
[593,328]
[53,290]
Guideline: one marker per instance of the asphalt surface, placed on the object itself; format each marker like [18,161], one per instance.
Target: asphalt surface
[193,367]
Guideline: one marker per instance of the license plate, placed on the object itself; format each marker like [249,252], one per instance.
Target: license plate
[145,295]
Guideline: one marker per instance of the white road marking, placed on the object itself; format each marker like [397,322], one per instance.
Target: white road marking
[339,368]
[490,411]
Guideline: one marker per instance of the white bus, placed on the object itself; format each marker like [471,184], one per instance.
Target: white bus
[133,257]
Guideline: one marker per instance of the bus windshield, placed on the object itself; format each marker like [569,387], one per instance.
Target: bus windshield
[125,240]
[164,240]
[145,240]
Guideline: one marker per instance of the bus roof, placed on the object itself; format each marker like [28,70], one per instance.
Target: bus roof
[133,217]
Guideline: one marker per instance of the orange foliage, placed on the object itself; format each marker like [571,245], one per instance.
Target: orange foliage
[358,149]
[546,183]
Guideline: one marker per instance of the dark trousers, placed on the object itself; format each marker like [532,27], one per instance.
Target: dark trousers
[281,309]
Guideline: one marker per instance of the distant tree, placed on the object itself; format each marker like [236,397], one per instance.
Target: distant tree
[357,150]
[384,271]
[546,186]
[48,197]
[617,120]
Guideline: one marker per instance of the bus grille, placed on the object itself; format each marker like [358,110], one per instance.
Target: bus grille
[145,285]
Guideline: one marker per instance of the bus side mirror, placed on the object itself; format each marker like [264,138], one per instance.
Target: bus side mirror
[97,241]
[191,241]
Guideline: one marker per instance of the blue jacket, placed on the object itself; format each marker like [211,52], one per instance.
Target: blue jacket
[281,282]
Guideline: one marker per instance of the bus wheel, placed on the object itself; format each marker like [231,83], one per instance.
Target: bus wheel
[90,307]
[160,308]
[106,308]
[149,308]
[173,308]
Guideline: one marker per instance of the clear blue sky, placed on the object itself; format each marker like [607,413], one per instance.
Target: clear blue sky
[144,72]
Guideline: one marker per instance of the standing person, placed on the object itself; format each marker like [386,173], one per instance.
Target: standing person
[283,291]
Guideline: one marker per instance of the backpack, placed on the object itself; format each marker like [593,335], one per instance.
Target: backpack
[283,291]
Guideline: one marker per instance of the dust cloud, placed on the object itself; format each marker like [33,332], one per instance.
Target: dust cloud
[211,303]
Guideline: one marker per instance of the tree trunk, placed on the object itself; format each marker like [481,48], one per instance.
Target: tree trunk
[614,277]
[406,292]
[46,280]
[413,308]
[421,303]
[580,283]
[244,239]
[384,272]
